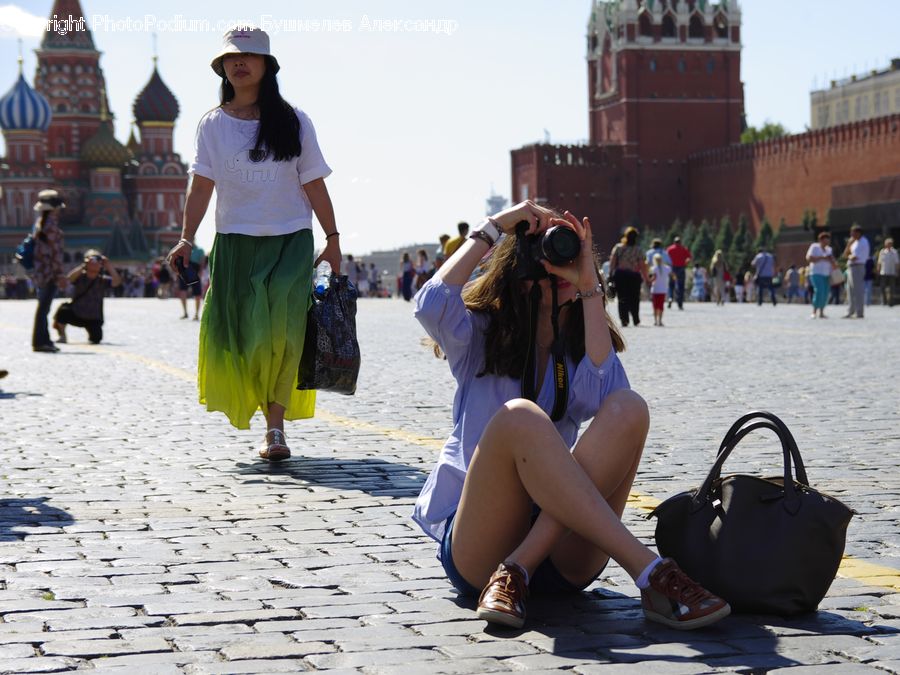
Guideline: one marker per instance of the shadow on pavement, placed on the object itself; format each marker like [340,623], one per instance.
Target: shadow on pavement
[371,475]
[21,517]
[15,394]
[607,627]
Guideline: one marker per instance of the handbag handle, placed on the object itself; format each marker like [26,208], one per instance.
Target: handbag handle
[780,428]
[735,435]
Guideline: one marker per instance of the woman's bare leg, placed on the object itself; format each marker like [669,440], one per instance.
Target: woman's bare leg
[521,458]
[275,416]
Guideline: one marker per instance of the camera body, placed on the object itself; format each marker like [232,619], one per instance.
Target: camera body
[558,245]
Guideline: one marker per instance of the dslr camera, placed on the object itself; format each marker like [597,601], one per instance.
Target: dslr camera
[558,245]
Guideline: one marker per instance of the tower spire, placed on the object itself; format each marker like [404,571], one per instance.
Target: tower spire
[21,60]
[155,53]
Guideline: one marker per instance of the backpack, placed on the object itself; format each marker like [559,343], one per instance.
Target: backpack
[25,253]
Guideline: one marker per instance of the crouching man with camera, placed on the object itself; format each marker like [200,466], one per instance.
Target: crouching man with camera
[86,307]
[515,503]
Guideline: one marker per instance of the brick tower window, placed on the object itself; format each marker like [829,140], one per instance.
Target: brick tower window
[668,26]
[645,26]
[695,27]
[721,26]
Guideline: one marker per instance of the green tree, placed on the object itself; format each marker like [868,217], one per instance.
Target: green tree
[674,231]
[688,234]
[647,237]
[765,238]
[810,220]
[767,131]
[724,236]
[703,246]
[739,251]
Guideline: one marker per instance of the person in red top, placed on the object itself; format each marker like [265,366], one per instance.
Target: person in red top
[680,257]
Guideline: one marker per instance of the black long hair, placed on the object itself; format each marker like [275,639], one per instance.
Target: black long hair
[279,127]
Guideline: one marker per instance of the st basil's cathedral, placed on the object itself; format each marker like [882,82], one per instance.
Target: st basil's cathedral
[125,199]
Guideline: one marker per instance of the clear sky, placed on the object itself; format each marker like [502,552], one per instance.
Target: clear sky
[418,125]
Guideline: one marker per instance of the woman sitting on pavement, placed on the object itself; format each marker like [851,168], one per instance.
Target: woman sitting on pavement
[514,501]
[86,308]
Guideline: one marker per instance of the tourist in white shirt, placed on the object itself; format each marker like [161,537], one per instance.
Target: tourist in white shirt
[856,252]
[262,157]
[888,266]
[821,261]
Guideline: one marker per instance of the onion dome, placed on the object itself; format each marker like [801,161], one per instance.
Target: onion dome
[103,150]
[155,103]
[24,108]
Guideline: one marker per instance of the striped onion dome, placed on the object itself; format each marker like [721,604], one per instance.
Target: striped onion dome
[156,102]
[24,108]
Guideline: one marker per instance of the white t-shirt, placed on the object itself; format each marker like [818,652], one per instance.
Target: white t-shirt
[661,279]
[816,251]
[859,249]
[888,261]
[264,198]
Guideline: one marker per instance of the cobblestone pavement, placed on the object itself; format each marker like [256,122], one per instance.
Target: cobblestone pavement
[139,533]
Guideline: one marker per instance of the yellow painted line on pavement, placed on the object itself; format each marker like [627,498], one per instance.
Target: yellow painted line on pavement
[869,574]
[864,572]
[181,373]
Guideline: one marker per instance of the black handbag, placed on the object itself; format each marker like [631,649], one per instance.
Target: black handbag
[331,358]
[766,545]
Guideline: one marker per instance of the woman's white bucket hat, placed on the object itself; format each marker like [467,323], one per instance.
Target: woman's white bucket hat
[243,41]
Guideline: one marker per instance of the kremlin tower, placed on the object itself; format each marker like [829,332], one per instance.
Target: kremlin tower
[60,134]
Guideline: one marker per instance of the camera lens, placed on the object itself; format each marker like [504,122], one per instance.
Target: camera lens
[560,245]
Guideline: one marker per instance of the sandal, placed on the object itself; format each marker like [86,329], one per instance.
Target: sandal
[276,448]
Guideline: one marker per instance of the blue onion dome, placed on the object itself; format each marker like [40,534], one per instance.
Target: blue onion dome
[103,150]
[24,108]
[155,103]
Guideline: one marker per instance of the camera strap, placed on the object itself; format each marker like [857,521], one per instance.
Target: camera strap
[557,350]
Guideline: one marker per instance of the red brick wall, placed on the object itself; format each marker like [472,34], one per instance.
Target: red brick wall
[784,177]
[586,180]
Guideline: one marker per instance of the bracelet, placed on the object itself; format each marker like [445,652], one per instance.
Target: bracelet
[590,294]
[185,241]
[333,234]
[483,236]
[491,228]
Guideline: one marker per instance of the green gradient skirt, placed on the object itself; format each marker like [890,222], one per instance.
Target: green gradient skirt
[254,324]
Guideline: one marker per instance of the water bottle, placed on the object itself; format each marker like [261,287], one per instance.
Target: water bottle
[323,276]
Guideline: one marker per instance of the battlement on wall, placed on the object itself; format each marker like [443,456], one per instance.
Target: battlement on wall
[567,155]
[789,148]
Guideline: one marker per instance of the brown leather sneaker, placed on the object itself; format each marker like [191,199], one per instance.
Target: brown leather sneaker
[676,600]
[503,599]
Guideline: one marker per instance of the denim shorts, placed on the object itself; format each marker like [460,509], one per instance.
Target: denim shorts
[545,579]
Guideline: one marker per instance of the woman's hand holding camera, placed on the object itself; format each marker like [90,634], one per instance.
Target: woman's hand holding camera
[538,217]
[581,273]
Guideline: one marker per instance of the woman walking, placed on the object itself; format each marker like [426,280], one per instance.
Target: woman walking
[628,268]
[514,501]
[717,272]
[407,276]
[821,259]
[48,274]
[261,156]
